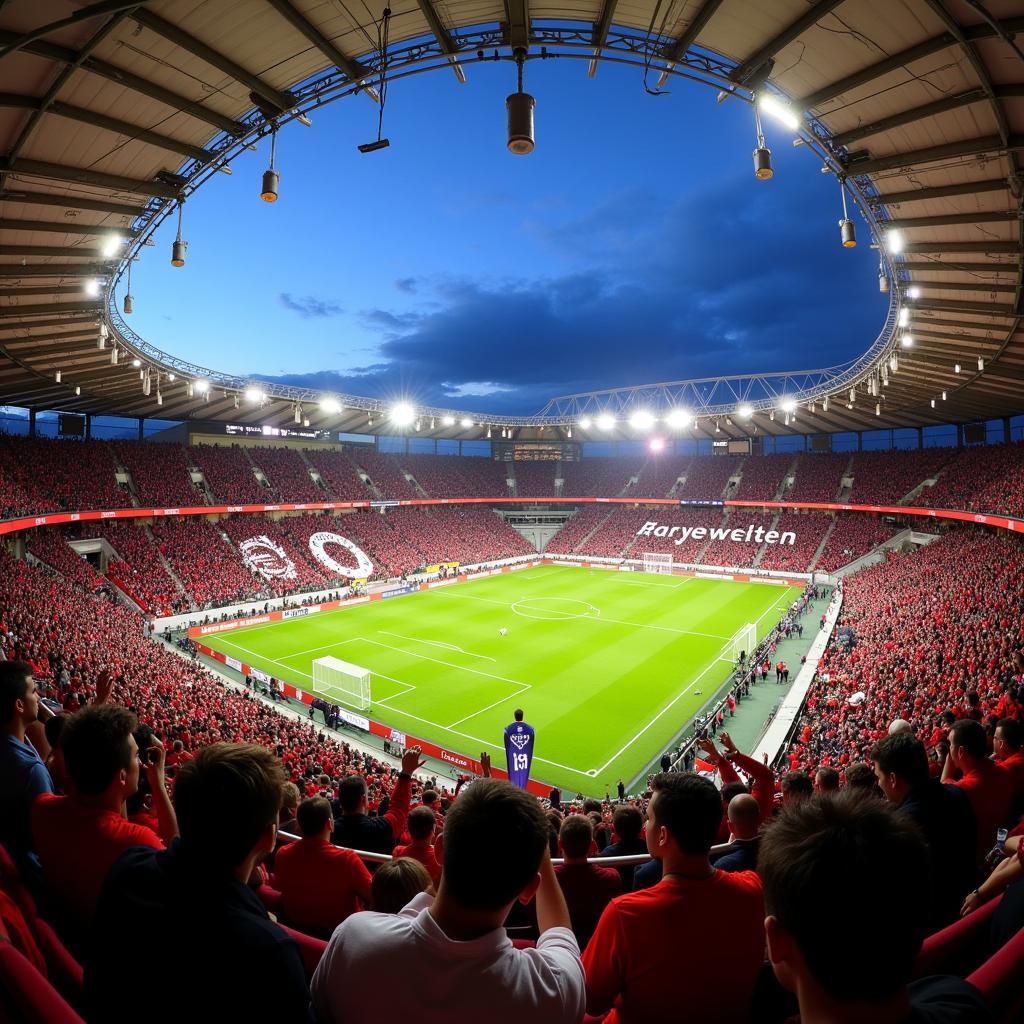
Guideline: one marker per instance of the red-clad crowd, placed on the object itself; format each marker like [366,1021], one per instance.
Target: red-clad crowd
[230,474]
[535,479]
[288,474]
[50,548]
[659,474]
[385,473]
[886,478]
[818,476]
[985,479]
[852,535]
[159,473]
[921,634]
[810,530]
[762,476]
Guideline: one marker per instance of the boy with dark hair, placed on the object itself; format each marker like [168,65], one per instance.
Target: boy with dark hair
[421,827]
[190,906]
[853,867]
[452,954]
[79,837]
[587,888]
[628,823]
[320,884]
[632,961]
[23,776]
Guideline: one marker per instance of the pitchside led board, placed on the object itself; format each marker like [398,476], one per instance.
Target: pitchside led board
[519,739]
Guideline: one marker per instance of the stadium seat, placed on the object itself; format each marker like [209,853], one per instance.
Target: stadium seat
[1000,979]
[26,996]
[959,947]
[311,949]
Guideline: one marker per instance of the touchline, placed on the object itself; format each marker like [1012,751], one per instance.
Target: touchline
[752,533]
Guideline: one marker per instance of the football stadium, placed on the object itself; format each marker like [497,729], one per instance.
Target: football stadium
[512,511]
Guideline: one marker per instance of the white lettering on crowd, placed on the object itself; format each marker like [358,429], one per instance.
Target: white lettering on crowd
[265,557]
[739,535]
[363,566]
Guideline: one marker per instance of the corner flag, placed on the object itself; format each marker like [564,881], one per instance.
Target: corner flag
[519,751]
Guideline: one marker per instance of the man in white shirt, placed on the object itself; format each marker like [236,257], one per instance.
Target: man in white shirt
[447,958]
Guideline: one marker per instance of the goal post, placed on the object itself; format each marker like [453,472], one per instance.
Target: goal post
[744,641]
[657,562]
[341,682]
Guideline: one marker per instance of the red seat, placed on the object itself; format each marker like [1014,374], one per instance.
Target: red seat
[272,900]
[959,947]
[311,948]
[26,996]
[524,944]
[1000,979]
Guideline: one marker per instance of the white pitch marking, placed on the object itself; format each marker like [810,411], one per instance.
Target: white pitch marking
[488,708]
[437,643]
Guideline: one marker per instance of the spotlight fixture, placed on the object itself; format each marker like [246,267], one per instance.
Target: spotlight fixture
[787,404]
[847,232]
[933,403]
[746,411]
[718,427]
[894,241]
[78,389]
[297,413]
[679,419]
[762,155]
[883,280]
[904,317]
[568,432]
[305,421]
[956,367]
[943,395]
[771,415]
[129,304]
[824,404]
[656,444]
[111,245]
[853,395]
[519,108]
[432,423]
[189,389]
[202,386]
[448,421]
[271,179]
[641,420]
[57,376]
[878,409]
[92,288]
[329,405]
[981,365]
[488,431]
[585,423]
[465,423]
[894,362]
[113,356]
[104,332]
[236,399]
[402,414]
[606,421]
[179,247]
[913,292]
[136,363]
[774,107]
[159,398]
[254,394]
[907,341]
[171,377]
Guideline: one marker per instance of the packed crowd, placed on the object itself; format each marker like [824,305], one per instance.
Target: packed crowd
[289,476]
[886,478]
[535,479]
[762,477]
[989,479]
[658,476]
[818,476]
[852,536]
[810,530]
[229,474]
[159,474]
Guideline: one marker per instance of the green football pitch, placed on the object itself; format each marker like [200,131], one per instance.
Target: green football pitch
[608,666]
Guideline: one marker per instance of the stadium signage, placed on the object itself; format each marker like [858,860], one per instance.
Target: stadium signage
[456,759]
[737,535]
[704,502]
[363,566]
[298,613]
[220,627]
[397,592]
[390,503]
[233,663]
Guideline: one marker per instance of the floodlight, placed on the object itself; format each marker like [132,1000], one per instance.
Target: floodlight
[179,247]
[465,423]
[656,444]
[202,386]
[606,421]
[402,414]
[904,317]
[110,246]
[981,365]
[57,376]
[92,288]
[641,420]
[136,363]
[329,405]
[894,241]
[271,179]
[585,423]
[746,411]
[956,367]
[774,107]
[678,418]
[913,292]
[788,404]
[519,107]
[448,421]
[254,394]
[907,341]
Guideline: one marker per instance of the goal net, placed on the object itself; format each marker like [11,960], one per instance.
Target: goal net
[341,682]
[743,641]
[658,562]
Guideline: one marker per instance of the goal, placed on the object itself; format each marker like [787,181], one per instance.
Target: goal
[658,562]
[341,682]
[743,641]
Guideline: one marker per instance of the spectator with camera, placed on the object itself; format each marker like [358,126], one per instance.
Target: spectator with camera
[79,837]
[225,957]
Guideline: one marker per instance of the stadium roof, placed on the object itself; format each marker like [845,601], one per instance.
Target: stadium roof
[112,112]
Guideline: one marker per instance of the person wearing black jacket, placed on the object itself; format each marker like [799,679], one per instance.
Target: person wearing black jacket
[943,814]
[354,828]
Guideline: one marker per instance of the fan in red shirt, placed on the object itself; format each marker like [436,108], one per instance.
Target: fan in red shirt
[320,884]
[79,837]
[587,888]
[633,960]
[421,826]
[1007,744]
[988,785]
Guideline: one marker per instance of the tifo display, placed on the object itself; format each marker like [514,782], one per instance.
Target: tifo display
[611,665]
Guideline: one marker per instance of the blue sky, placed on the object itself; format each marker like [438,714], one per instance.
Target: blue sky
[634,245]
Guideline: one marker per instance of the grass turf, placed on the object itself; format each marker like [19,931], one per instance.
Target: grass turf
[608,666]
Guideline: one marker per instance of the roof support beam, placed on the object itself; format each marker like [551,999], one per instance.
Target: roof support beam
[170,32]
[600,34]
[48,250]
[85,176]
[300,23]
[16,270]
[15,293]
[931,154]
[64,55]
[959,325]
[996,247]
[960,268]
[961,306]
[920,195]
[676,51]
[43,346]
[517,24]
[83,116]
[52,307]
[942,106]
[791,32]
[63,228]
[988,217]
[898,60]
[961,286]
[440,34]
[16,195]
[74,322]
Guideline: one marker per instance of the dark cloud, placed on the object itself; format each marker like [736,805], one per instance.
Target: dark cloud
[406,284]
[309,307]
[734,279]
